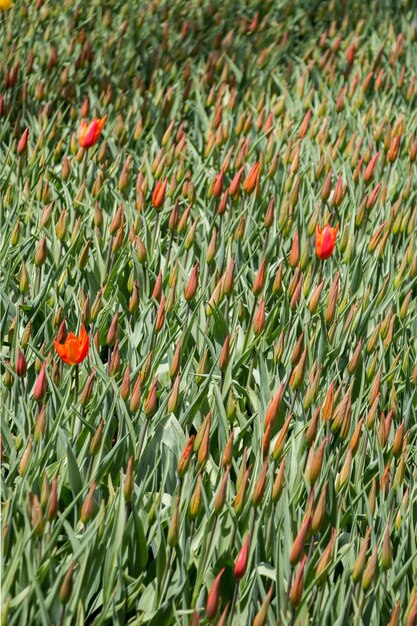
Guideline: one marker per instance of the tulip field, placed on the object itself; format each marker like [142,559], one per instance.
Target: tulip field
[208,313]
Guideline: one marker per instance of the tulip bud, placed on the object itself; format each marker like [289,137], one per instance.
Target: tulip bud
[66,585]
[196,500]
[372,497]
[235,184]
[217,186]
[174,524]
[23,279]
[353,363]
[297,376]
[331,303]
[185,458]
[262,615]
[395,615]
[252,178]
[191,287]
[136,396]
[88,505]
[113,330]
[315,298]
[297,293]
[225,354]
[397,446]
[39,388]
[313,468]
[259,281]
[40,253]
[278,485]
[344,476]
[87,392]
[151,401]
[269,214]
[211,250]
[25,460]
[386,555]
[325,560]
[299,542]
[201,431]
[260,485]
[23,142]
[176,361]
[97,439]
[115,364]
[259,319]
[37,521]
[242,559]
[294,252]
[370,169]
[279,347]
[369,573]
[174,396]
[327,187]
[204,446]
[359,565]
[21,365]
[213,597]
[129,481]
[141,251]
[40,425]
[274,406]
[297,586]
[160,316]
[297,350]
[277,285]
[281,439]
[158,195]
[319,512]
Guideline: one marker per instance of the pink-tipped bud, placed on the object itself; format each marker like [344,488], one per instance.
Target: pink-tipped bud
[213,598]
[21,365]
[242,559]
[192,285]
[298,584]
[39,388]
[23,142]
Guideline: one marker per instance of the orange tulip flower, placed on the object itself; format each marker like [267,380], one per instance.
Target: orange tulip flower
[252,178]
[158,195]
[325,240]
[74,349]
[89,133]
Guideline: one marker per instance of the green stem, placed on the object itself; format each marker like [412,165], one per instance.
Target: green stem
[249,327]
[202,569]
[61,619]
[232,608]
[165,578]
[76,380]
[142,436]
[287,595]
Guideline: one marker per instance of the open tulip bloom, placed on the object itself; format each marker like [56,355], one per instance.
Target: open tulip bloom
[74,349]
[325,240]
[90,133]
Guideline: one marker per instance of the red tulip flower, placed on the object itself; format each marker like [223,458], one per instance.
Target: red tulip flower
[325,241]
[89,133]
[74,349]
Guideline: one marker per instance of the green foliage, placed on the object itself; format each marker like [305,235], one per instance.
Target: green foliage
[201,373]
